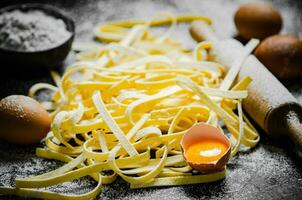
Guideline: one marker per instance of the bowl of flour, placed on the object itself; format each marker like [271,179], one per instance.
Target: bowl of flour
[34,36]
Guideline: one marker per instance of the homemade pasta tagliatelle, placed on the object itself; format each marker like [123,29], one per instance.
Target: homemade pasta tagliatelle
[122,109]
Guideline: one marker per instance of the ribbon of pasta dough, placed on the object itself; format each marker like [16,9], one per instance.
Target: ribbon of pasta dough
[123,108]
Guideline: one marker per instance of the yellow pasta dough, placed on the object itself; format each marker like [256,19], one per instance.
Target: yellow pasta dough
[123,107]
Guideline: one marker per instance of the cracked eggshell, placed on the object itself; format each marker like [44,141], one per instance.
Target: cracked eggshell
[203,131]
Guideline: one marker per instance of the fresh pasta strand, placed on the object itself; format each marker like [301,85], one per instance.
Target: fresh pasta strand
[137,94]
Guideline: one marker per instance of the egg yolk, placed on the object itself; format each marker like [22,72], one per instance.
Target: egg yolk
[205,151]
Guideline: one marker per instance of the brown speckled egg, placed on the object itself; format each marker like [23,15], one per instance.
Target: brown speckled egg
[282,55]
[23,120]
[257,20]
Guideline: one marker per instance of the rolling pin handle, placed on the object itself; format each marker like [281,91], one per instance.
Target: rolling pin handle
[269,103]
[295,129]
[200,31]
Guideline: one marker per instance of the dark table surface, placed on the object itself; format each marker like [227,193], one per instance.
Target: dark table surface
[266,172]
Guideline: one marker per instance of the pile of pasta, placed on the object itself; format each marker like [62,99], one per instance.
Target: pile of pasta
[123,107]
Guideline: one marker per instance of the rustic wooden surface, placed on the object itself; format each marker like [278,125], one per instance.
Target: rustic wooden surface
[266,172]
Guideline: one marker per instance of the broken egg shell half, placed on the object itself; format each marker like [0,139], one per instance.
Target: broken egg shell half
[202,132]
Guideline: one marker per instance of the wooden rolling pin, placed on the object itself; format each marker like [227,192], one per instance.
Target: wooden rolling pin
[269,103]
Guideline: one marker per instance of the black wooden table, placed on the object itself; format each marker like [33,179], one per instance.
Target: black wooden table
[266,172]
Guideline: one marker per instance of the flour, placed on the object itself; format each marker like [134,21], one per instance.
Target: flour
[31,31]
[266,172]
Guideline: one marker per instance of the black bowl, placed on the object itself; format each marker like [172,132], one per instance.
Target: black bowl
[45,59]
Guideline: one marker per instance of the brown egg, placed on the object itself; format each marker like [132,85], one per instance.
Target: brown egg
[23,120]
[206,148]
[282,55]
[257,20]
